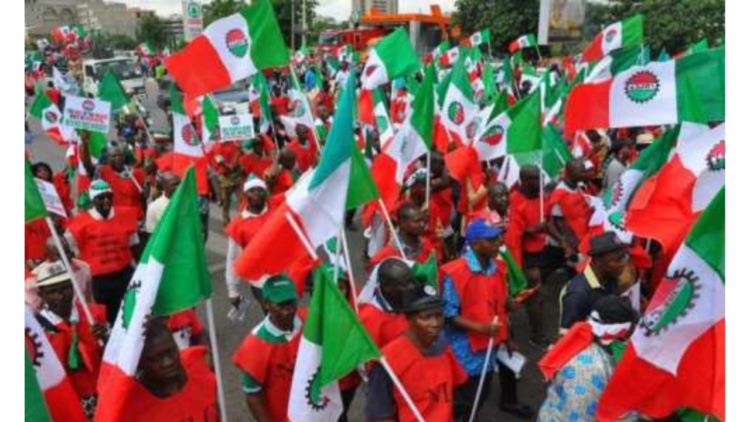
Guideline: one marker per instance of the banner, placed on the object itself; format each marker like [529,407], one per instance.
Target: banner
[192,19]
[236,128]
[560,21]
[51,199]
[87,114]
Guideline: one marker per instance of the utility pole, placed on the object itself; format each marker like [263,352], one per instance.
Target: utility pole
[292,29]
[304,22]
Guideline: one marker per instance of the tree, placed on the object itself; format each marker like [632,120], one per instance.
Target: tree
[506,19]
[283,9]
[674,24]
[218,9]
[152,30]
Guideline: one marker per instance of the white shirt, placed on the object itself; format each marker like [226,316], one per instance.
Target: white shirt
[154,212]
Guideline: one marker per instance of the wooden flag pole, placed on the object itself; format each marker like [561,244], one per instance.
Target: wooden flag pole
[74,278]
[487,358]
[215,358]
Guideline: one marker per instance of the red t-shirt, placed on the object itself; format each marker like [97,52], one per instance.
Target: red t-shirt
[127,194]
[195,402]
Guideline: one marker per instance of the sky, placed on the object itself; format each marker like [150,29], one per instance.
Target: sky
[338,9]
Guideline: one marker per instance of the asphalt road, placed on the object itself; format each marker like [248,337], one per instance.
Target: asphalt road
[230,335]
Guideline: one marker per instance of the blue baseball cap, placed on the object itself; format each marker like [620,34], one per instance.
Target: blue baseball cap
[480,229]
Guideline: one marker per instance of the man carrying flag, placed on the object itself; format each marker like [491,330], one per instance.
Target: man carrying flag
[104,237]
[424,363]
[268,354]
[144,376]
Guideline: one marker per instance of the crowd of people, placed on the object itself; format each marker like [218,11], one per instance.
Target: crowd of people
[484,231]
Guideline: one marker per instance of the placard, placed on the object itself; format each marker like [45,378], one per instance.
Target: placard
[236,128]
[87,114]
[51,199]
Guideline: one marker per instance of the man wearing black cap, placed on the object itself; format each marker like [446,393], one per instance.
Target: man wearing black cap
[423,362]
[609,258]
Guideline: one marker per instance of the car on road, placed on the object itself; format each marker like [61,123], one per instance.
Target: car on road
[125,69]
[234,99]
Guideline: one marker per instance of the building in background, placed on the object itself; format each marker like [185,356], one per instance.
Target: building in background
[362,7]
[175,29]
[114,18]
[44,15]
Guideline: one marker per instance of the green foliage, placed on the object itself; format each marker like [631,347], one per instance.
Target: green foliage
[152,30]
[674,24]
[218,9]
[283,9]
[506,19]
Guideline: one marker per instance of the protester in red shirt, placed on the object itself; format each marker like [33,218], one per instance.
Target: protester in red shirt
[127,183]
[171,385]
[104,237]
[570,210]
[304,147]
[412,225]
[77,343]
[383,316]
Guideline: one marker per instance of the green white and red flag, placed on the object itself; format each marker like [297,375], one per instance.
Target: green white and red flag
[60,399]
[313,210]
[451,56]
[145,49]
[617,35]
[676,357]
[334,343]
[515,131]
[666,205]
[260,101]
[51,119]
[171,276]
[655,94]
[230,49]
[412,141]
[525,41]
[458,109]
[478,38]
[392,57]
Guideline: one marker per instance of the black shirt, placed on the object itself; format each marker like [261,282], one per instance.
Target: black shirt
[580,295]
[380,403]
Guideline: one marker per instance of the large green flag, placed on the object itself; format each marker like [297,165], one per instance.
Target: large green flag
[177,246]
[34,204]
[110,89]
[35,408]
[334,343]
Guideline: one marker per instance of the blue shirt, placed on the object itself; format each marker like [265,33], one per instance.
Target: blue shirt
[472,362]
[310,80]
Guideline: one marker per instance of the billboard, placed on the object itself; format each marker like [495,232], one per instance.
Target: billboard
[192,19]
[561,21]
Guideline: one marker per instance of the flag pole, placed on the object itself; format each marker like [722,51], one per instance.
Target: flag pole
[401,389]
[347,259]
[215,358]
[301,235]
[487,356]
[541,188]
[392,228]
[76,286]
[307,100]
[429,175]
